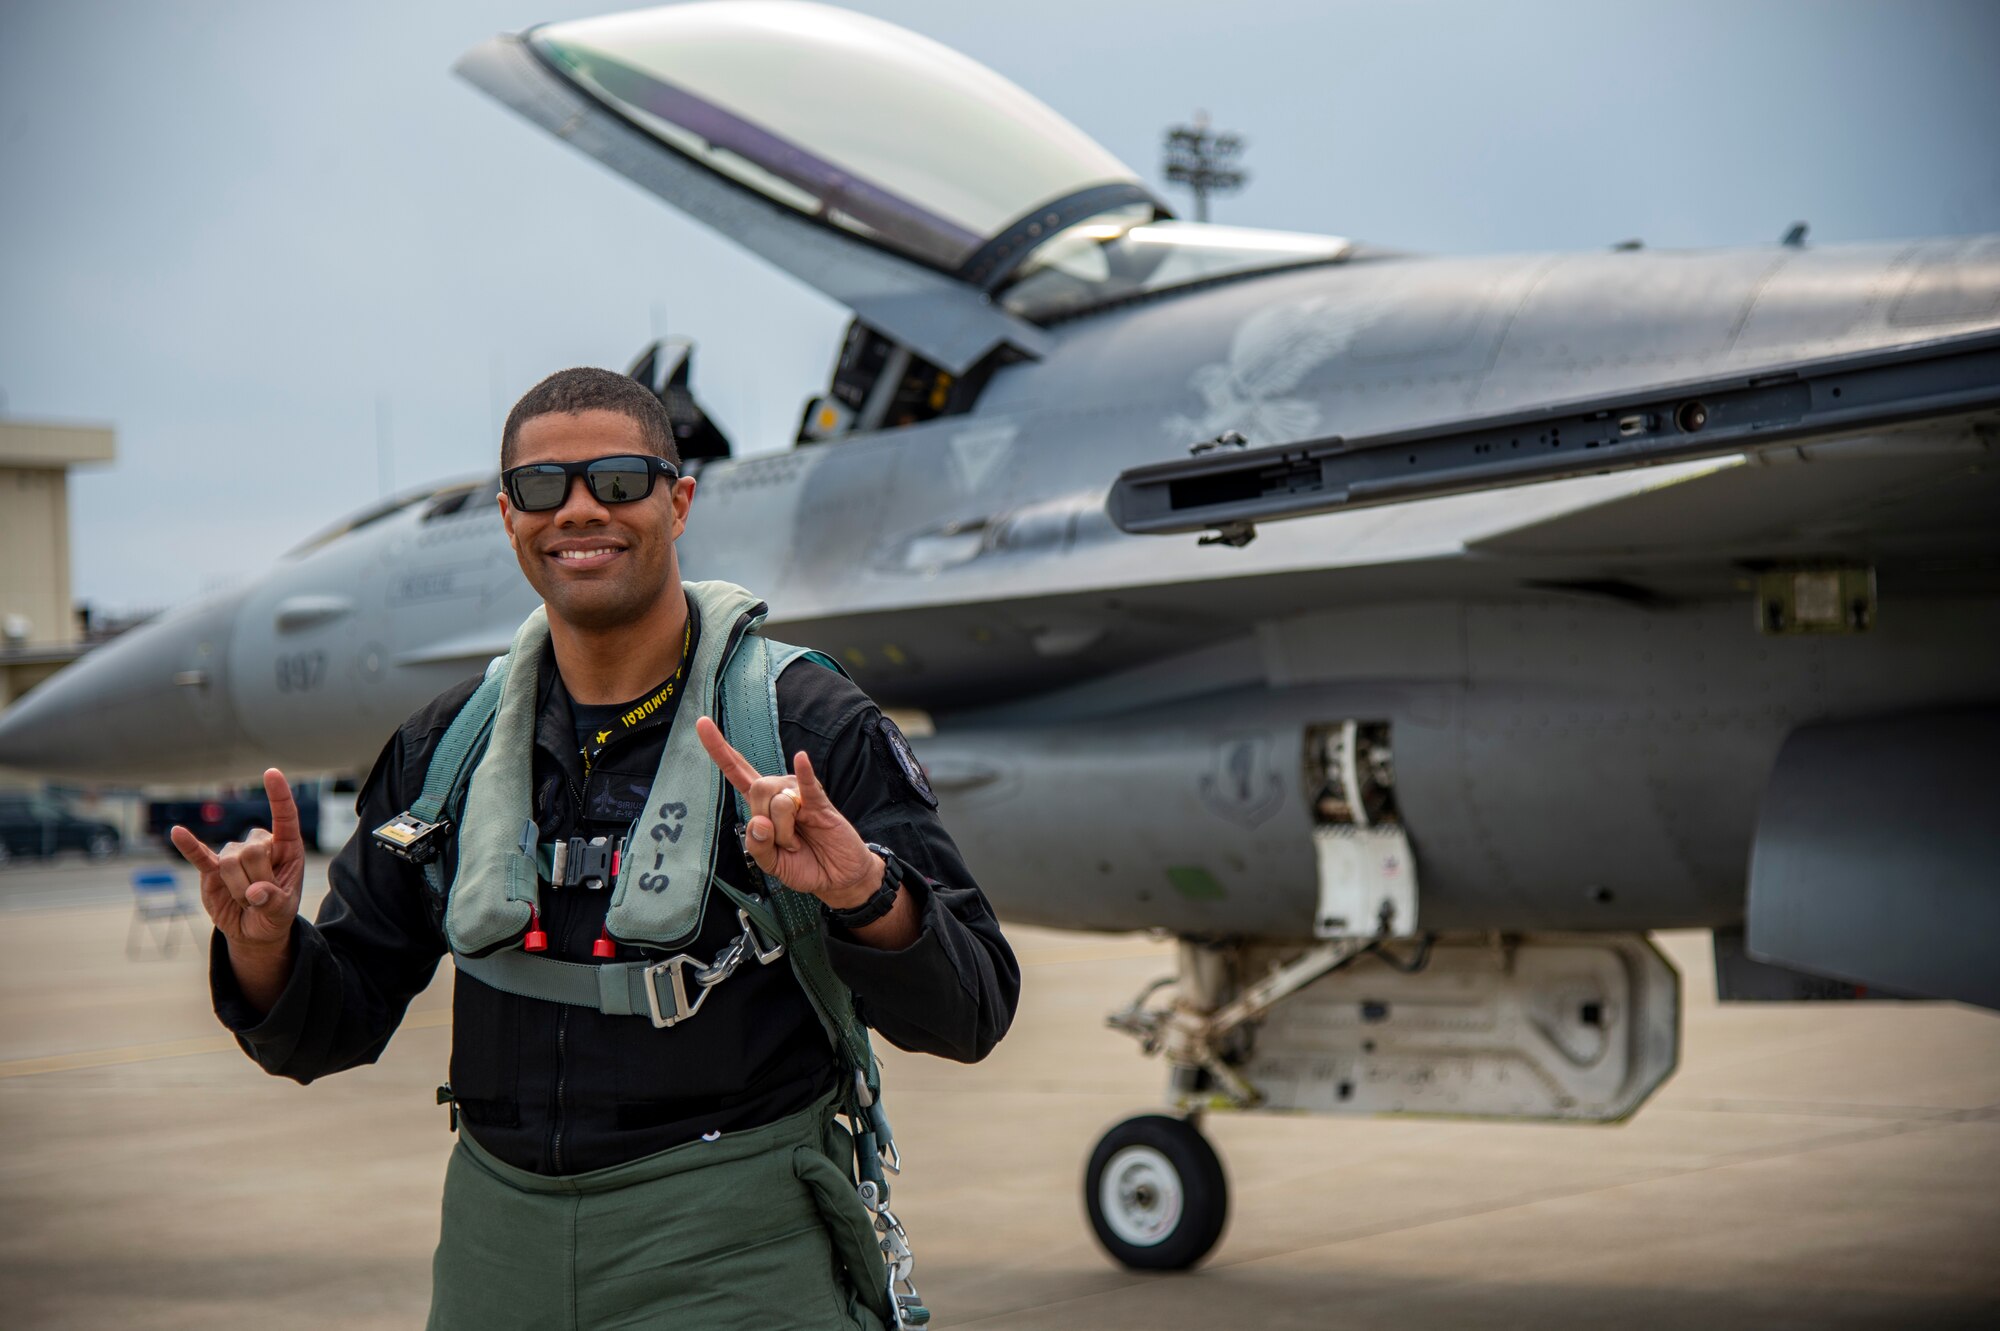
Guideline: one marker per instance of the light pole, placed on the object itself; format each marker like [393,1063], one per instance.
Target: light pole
[1204,161]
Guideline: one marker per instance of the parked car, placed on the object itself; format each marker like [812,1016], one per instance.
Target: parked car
[230,816]
[37,826]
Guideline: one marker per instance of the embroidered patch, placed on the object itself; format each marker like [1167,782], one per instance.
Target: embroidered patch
[913,771]
[615,797]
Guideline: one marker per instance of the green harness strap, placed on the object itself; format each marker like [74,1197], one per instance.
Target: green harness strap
[750,723]
[451,762]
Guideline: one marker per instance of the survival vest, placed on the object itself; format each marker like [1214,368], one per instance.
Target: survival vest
[478,786]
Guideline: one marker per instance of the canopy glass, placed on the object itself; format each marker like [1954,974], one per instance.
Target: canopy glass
[862,124]
[1124,253]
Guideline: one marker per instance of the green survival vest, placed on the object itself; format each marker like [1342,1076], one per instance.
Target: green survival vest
[479,783]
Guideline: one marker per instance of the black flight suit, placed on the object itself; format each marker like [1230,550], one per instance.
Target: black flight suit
[558,1089]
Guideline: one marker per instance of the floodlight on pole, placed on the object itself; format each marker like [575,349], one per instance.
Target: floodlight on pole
[1204,161]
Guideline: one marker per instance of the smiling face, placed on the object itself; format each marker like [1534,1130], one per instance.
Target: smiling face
[597,566]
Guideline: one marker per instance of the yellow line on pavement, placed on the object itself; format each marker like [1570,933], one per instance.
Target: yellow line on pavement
[147,1053]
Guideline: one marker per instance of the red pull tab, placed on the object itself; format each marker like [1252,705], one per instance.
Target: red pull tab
[604,947]
[536,940]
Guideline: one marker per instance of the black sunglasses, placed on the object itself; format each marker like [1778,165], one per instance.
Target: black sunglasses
[541,486]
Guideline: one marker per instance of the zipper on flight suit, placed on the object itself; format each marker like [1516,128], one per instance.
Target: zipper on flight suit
[560,1111]
[581,817]
[562,1081]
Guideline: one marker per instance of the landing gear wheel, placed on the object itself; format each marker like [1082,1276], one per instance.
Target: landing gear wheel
[1156,1193]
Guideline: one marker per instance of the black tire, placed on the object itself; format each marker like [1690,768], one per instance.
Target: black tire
[6,851]
[1156,1193]
[101,844]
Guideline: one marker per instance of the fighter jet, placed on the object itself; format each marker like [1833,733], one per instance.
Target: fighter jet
[1405,635]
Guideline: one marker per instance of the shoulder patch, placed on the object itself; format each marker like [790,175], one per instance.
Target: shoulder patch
[906,761]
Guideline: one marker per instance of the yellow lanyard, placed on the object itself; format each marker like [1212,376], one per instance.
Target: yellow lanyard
[644,710]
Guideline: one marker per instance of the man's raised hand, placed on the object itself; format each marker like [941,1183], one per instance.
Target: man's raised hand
[794,833]
[251,889]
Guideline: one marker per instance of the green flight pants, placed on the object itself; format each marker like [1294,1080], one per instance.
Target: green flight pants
[757,1229]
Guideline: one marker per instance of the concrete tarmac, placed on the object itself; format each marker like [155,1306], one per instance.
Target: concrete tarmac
[1809,1166]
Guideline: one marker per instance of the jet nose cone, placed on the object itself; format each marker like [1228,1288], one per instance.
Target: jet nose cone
[150,705]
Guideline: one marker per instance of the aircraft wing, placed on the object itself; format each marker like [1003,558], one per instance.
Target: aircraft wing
[1229,490]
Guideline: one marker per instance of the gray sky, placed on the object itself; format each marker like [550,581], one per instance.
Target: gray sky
[231,230]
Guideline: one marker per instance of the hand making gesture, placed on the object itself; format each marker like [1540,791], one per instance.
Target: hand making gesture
[251,891]
[794,833]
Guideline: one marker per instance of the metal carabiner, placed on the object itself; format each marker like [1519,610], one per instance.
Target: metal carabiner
[724,965]
[906,1303]
[764,958]
[895,1246]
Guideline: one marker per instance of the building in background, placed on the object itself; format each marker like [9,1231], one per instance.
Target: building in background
[39,628]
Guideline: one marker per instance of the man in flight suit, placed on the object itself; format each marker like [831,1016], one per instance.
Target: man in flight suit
[577,1126]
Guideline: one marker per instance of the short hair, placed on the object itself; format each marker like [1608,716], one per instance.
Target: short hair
[587,389]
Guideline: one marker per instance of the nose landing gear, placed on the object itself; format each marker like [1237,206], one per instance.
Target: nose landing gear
[1156,1193]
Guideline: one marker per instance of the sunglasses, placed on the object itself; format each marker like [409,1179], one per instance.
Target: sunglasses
[541,486]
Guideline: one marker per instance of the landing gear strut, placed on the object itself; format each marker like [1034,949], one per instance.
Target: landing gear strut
[1551,1027]
[1155,1188]
[1156,1193]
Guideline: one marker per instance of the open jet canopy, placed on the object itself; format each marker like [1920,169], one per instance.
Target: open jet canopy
[866,126]
[949,209]
[900,178]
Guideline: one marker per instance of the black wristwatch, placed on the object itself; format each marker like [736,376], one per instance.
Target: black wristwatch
[881,903]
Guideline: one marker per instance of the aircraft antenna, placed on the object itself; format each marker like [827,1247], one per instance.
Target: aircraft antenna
[1204,161]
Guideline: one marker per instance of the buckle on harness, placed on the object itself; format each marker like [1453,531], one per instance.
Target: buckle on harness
[679,1010]
[580,863]
[410,838]
[706,977]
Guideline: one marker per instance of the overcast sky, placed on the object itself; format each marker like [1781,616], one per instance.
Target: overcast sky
[241,233]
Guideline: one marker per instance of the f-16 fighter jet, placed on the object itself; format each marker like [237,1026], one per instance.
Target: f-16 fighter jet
[1441,624]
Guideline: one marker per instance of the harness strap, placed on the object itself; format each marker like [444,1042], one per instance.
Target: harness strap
[668,991]
[750,724]
[749,707]
[616,991]
[446,778]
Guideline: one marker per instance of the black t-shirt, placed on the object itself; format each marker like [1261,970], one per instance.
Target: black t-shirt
[596,719]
